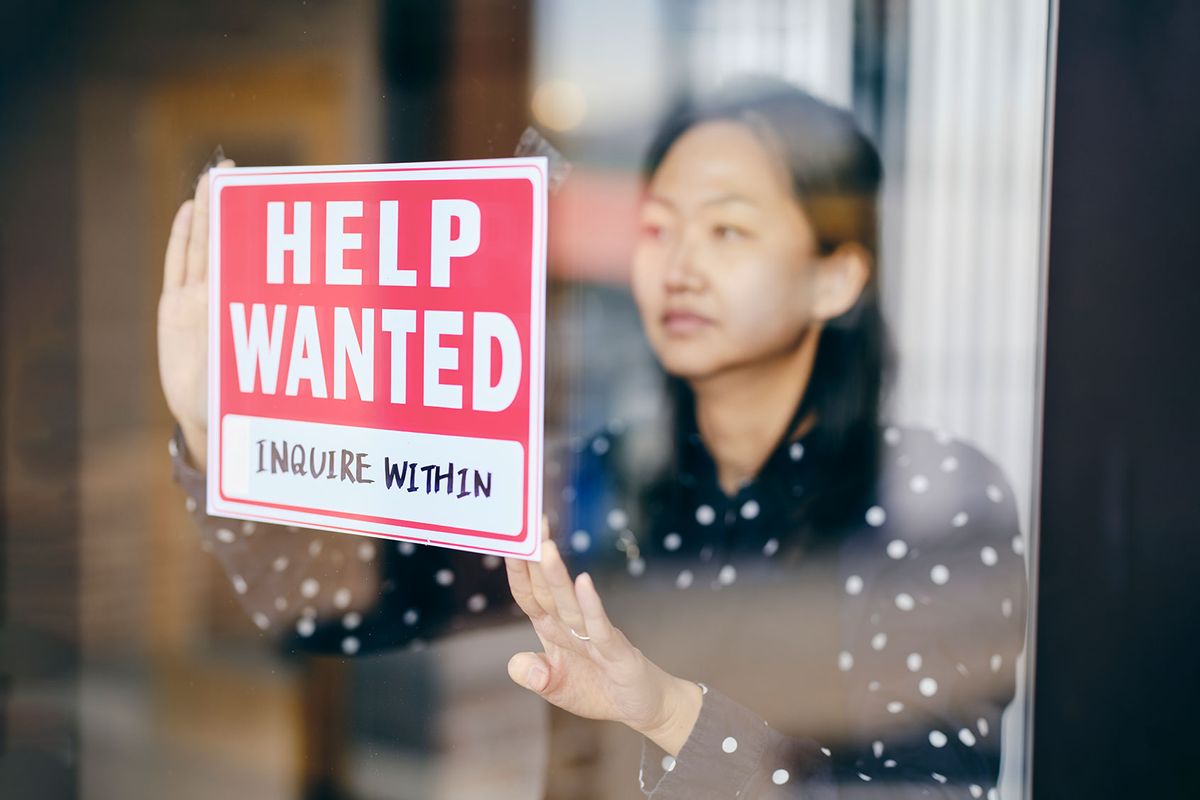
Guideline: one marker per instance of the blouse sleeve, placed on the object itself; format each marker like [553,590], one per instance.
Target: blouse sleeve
[331,593]
[933,625]
[732,752]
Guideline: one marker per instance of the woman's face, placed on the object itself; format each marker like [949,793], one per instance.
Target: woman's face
[725,272]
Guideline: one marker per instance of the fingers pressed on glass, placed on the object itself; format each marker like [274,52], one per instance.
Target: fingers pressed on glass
[522,588]
[599,628]
[197,250]
[173,263]
[562,588]
[541,588]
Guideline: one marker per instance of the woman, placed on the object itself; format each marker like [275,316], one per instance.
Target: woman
[861,588]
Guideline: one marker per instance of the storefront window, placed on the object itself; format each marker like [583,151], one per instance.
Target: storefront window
[792,394]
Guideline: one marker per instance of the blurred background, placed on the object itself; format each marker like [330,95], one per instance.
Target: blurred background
[129,669]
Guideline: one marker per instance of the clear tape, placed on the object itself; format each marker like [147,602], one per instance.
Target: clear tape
[216,158]
[533,143]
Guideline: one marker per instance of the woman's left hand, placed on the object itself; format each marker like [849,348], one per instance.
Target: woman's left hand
[602,676]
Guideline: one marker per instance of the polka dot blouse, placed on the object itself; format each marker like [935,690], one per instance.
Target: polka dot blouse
[863,647]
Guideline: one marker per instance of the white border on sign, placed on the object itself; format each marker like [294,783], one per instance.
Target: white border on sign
[534,170]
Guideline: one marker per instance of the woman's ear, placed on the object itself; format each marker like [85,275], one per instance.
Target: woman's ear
[841,277]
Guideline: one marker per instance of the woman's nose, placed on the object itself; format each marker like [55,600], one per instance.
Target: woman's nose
[682,272]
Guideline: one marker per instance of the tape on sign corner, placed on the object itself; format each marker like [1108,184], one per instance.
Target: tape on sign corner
[532,143]
[218,155]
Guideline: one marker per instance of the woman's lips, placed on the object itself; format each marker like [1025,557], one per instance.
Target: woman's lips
[683,323]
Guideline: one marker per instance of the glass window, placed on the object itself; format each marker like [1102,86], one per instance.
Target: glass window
[792,397]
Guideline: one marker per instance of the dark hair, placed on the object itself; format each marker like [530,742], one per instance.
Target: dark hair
[836,173]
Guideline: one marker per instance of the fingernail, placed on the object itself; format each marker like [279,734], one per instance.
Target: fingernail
[537,678]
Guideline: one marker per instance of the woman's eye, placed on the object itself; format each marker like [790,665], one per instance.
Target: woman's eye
[729,232]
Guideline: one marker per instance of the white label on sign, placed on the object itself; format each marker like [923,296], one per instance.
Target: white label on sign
[420,478]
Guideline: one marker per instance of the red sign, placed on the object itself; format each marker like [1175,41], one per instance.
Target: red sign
[376,350]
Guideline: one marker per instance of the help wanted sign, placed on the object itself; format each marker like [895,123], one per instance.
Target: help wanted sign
[376,350]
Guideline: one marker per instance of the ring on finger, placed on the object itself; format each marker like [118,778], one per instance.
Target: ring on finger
[580,636]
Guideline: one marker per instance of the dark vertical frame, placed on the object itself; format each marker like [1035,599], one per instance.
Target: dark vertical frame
[40,644]
[414,51]
[1118,615]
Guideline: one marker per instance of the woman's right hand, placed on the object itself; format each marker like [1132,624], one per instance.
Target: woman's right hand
[183,321]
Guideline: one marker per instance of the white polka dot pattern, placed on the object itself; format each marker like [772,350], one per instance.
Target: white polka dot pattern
[942,513]
[617,519]
[581,540]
